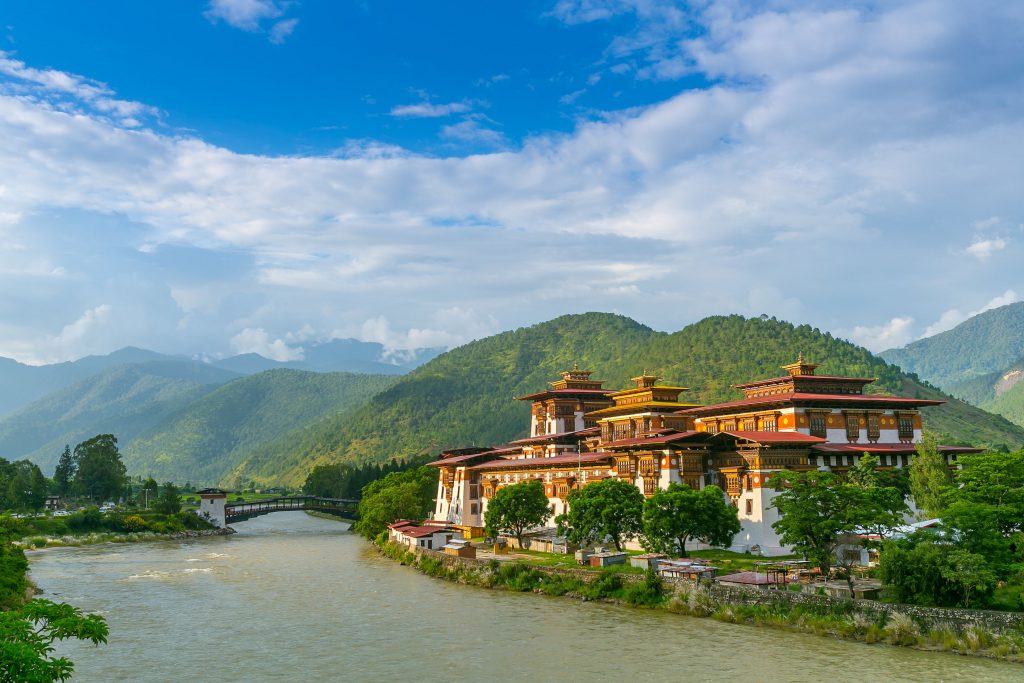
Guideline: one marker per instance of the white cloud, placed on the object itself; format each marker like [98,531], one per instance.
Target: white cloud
[257,340]
[835,147]
[983,249]
[253,16]
[953,317]
[472,131]
[426,110]
[282,29]
[73,333]
[892,334]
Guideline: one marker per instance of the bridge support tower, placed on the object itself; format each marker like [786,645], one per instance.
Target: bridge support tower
[211,506]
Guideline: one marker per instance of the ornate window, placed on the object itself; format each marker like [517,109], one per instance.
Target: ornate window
[874,427]
[750,424]
[905,423]
[852,427]
[818,425]
[769,423]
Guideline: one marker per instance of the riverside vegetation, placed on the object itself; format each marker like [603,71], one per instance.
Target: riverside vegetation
[847,619]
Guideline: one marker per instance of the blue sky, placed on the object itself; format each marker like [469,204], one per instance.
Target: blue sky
[255,175]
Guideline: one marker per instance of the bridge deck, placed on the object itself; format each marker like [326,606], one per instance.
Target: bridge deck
[240,511]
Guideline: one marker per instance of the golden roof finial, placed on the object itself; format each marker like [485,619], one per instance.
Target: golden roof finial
[575,366]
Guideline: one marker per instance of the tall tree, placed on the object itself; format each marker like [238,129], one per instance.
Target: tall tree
[399,495]
[516,508]
[675,515]
[820,512]
[99,472]
[169,503]
[930,479]
[611,508]
[64,474]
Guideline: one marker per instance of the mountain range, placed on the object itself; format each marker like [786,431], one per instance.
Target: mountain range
[465,396]
[234,421]
[21,384]
[980,361]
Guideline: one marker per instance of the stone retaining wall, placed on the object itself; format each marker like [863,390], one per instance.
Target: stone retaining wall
[737,595]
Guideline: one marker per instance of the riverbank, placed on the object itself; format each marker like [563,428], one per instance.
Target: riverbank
[996,635]
[37,543]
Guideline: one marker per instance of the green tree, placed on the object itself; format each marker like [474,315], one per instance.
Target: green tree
[99,472]
[399,495]
[169,502]
[996,480]
[611,508]
[819,512]
[930,480]
[39,487]
[673,516]
[64,474]
[970,572]
[328,481]
[516,508]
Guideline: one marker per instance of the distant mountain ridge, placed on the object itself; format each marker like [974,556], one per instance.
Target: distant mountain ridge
[980,361]
[125,400]
[464,397]
[990,342]
[21,384]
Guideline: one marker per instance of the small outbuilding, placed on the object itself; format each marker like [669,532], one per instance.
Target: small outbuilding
[647,560]
[607,559]
[459,547]
[755,579]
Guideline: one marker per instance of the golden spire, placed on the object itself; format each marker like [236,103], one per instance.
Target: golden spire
[800,367]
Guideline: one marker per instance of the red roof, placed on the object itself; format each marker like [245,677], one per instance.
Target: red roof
[567,459]
[837,399]
[887,448]
[665,438]
[551,437]
[397,524]
[420,531]
[801,378]
[565,392]
[462,458]
[776,437]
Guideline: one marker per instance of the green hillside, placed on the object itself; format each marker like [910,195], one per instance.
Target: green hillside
[464,397]
[204,441]
[124,400]
[989,342]
[1009,404]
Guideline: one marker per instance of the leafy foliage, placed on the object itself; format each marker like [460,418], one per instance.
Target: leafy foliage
[27,636]
[99,472]
[820,511]
[169,502]
[930,480]
[673,516]
[927,570]
[604,509]
[345,481]
[516,508]
[399,495]
[22,486]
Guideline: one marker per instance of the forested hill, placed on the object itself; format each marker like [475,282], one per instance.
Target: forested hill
[989,342]
[124,400]
[464,397]
[205,440]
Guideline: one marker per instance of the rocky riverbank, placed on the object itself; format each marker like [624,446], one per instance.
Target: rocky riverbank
[37,543]
[997,635]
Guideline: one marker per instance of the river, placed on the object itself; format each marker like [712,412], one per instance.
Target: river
[293,597]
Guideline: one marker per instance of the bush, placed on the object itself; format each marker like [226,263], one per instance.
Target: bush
[607,585]
[901,629]
[701,602]
[650,593]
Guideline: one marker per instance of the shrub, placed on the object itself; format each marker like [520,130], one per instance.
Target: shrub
[646,594]
[901,629]
[701,602]
[975,638]
[133,524]
[604,586]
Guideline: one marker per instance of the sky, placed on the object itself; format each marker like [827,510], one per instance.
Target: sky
[231,176]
